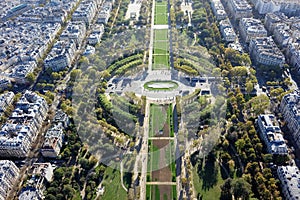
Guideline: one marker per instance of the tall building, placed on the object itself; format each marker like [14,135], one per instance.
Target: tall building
[263,51]
[271,134]
[289,177]
[21,129]
[218,9]
[290,109]
[227,31]
[239,9]
[9,173]
[288,7]
[251,28]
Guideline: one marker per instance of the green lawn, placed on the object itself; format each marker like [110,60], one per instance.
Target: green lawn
[157,119]
[161,47]
[161,62]
[161,17]
[150,189]
[153,163]
[161,7]
[200,183]
[171,86]
[161,34]
[170,155]
[112,184]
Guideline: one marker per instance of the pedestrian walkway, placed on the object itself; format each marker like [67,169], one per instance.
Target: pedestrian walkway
[161,183]
[160,26]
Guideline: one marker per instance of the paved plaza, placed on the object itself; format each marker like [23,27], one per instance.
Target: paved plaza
[136,84]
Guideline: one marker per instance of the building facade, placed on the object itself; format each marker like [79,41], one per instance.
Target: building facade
[9,173]
[239,9]
[21,129]
[289,177]
[264,51]
[290,109]
[271,134]
[251,28]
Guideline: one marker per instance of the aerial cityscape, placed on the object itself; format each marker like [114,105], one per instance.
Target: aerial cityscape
[149,99]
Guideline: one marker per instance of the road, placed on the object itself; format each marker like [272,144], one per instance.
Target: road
[151,37]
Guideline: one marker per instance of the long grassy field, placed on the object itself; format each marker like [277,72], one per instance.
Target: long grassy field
[158,118]
[161,192]
[161,47]
[161,53]
[161,17]
[161,34]
[161,62]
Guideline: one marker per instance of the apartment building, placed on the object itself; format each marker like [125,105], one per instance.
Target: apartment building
[293,53]
[282,35]
[267,6]
[271,19]
[75,31]
[290,109]
[40,174]
[55,135]
[9,173]
[239,9]
[20,130]
[271,134]
[61,55]
[264,51]
[218,9]
[85,12]
[6,100]
[104,13]
[251,28]
[289,177]
[53,141]
[96,34]
[227,31]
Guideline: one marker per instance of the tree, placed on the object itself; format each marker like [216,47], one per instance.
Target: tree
[105,74]
[50,197]
[58,173]
[257,105]
[68,191]
[226,189]
[50,95]
[55,75]
[231,166]
[244,59]
[84,163]
[84,61]
[241,189]
[74,74]
[249,87]
[30,77]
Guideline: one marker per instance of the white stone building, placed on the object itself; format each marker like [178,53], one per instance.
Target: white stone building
[263,51]
[9,173]
[289,177]
[271,134]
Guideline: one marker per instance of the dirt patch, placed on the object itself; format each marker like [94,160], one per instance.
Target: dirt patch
[160,143]
[164,173]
